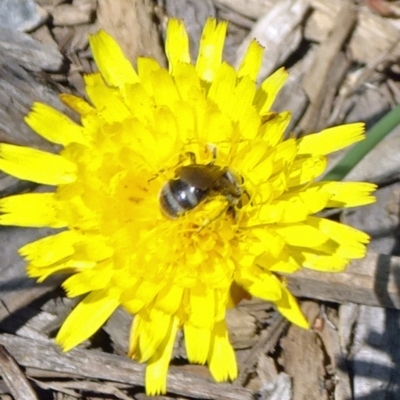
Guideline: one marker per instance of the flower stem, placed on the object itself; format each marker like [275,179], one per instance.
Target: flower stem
[384,126]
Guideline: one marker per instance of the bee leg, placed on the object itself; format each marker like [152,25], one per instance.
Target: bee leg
[244,199]
[232,210]
[213,149]
[187,154]
[191,156]
[229,210]
[155,176]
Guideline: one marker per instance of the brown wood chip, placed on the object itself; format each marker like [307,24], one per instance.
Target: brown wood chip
[14,377]
[96,365]
[372,281]
[303,359]
[317,81]
[130,23]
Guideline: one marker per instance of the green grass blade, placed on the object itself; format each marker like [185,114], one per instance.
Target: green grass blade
[384,126]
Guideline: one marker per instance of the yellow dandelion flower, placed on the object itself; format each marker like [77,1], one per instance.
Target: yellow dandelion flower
[179,197]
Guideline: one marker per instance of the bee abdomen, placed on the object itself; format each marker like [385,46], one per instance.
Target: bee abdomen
[177,197]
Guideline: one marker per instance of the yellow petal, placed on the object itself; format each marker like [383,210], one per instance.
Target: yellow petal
[294,206]
[165,93]
[147,290]
[283,211]
[210,51]
[268,91]
[107,100]
[139,102]
[321,262]
[289,267]
[176,44]
[303,235]
[306,169]
[32,209]
[261,169]
[197,341]
[111,61]
[169,298]
[221,359]
[77,104]
[347,194]
[54,125]
[251,156]
[202,307]
[157,367]
[86,318]
[89,279]
[35,165]
[251,63]
[50,249]
[151,331]
[242,109]
[274,126]
[265,286]
[42,273]
[222,87]
[188,85]
[332,139]
[341,233]
[268,240]
[284,154]
[290,309]
[216,126]
[146,68]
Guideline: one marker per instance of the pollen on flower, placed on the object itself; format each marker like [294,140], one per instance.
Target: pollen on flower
[179,197]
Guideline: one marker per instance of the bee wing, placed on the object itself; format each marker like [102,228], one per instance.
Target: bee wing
[201,176]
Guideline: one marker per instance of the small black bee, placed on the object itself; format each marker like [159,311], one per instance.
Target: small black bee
[196,182]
